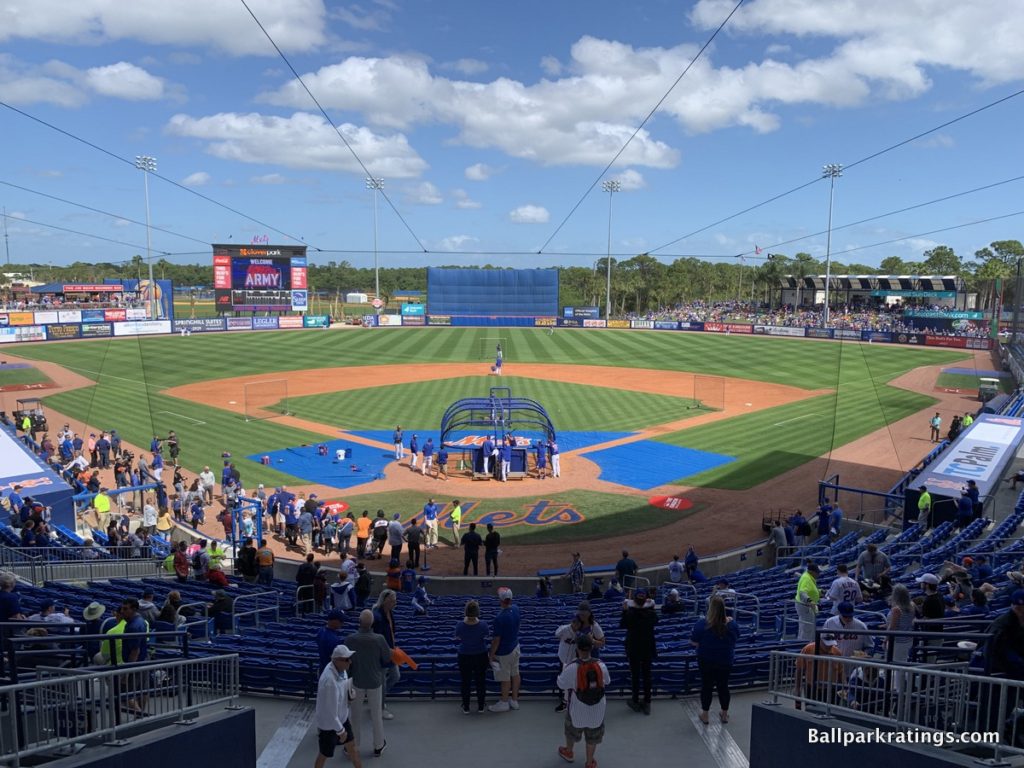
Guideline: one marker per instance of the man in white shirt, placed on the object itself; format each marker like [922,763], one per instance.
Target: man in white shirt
[149,516]
[207,482]
[849,643]
[584,718]
[333,694]
[843,589]
[675,570]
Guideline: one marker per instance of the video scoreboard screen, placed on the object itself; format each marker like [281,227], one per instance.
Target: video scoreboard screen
[260,278]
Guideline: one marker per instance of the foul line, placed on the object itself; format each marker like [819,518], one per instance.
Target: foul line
[796,418]
[197,422]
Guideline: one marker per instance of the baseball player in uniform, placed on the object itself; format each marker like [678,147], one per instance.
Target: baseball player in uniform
[506,460]
[428,455]
[556,464]
[430,520]
[414,447]
[487,449]
[396,438]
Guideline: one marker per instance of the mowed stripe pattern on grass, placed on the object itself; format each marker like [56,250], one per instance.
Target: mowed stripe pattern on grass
[419,406]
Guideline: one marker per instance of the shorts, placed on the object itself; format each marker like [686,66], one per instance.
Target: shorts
[508,666]
[592,735]
[328,740]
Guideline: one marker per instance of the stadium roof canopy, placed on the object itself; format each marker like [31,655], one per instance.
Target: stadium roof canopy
[877,282]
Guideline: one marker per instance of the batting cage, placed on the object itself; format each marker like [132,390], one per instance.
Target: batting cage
[709,392]
[492,292]
[476,426]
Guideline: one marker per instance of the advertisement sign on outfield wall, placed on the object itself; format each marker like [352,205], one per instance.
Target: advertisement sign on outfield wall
[570,322]
[136,313]
[97,330]
[63,331]
[289,321]
[264,324]
[820,333]
[728,328]
[142,327]
[618,324]
[439,320]
[778,330]
[69,316]
[414,320]
[589,323]
[199,324]
[545,322]
[115,316]
[239,323]
[908,338]
[389,320]
[413,309]
[666,325]
[47,317]
[316,321]
[583,313]
[21,318]
[641,323]
[92,316]
[876,336]
[845,333]
[370,321]
[22,333]
[957,342]
[686,325]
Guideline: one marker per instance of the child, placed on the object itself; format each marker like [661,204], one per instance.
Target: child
[198,514]
[328,531]
[409,578]
[420,598]
[394,576]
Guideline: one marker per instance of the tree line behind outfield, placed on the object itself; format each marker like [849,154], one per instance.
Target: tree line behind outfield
[639,284]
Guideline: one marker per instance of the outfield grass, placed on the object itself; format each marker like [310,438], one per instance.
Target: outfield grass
[9,376]
[420,406]
[966,381]
[606,514]
[135,370]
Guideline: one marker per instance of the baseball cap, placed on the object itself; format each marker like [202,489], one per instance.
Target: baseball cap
[928,578]
[336,616]
[396,515]
[968,560]
[828,640]
[1017,598]
[342,652]
[846,608]
[504,593]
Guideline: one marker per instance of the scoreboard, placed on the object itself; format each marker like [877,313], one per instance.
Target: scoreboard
[260,278]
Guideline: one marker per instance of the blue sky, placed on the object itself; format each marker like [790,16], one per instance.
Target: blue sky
[489,121]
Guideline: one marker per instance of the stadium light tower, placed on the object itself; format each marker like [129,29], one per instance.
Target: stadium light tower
[832,171]
[147,165]
[611,187]
[376,185]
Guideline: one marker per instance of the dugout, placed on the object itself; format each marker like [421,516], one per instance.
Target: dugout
[510,420]
[22,467]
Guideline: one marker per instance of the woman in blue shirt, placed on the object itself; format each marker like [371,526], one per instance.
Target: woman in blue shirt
[715,637]
[472,636]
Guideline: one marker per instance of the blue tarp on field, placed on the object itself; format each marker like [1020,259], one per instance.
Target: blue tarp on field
[646,464]
[365,465]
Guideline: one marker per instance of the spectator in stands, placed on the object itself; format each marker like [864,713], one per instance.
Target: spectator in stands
[334,692]
[543,588]
[849,632]
[200,561]
[136,629]
[265,561]
[673,603]
[801,528]
[776,541]
[471,543]
[362,533]
[216,576]
[471,634]
[715,637]
[362,585]
[149,515]
[932,605]
[396,536]
[964,510]
[172,611]
[304,530]
[420,599]
[393,576]
[341,591]
[924,508]
[614,591]
[639,620]
[246,561]
[807,599]
[220,610]
[329,636]
[306,573]
[583,623]
[584,681]
[165,522]
[492,548]
[626,567]
[408,578]
[826,678]
[866,690]
[92,615]
[181,563]
[575,573]
[675,570]
[373,657]
[978,606]
[843,589]
[872,572]
[901,619]
[1004,651]
[824,520]
[691,563]
[836,520]
[147,608]
[414,537]
[197,516]
[504,652]
[596,589]
[384,625]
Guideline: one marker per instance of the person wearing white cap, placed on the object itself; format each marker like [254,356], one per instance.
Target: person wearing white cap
[504,652]
[333,694]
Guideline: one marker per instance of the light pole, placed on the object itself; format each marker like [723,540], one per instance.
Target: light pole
[611,187]
[832,171]
[376,185]
[147,165]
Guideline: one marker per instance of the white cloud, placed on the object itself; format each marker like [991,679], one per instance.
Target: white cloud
[268,178]
[124,81]
[21,84]
[464,201]
[552,67]
[297,25]
[300,141]
[468,67]
[630,180]
[362,18]
[777,49]
[529,214]
[456,242]
[423,193]
[197,179]
[479,172]
[17,214]
[936,141]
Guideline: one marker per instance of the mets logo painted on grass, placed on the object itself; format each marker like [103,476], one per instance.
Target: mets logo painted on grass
[539,513]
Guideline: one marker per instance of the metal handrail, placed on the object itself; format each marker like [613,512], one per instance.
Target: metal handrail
[305,605]
[257,610]
[733,597]
[94,706]
[685,585]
